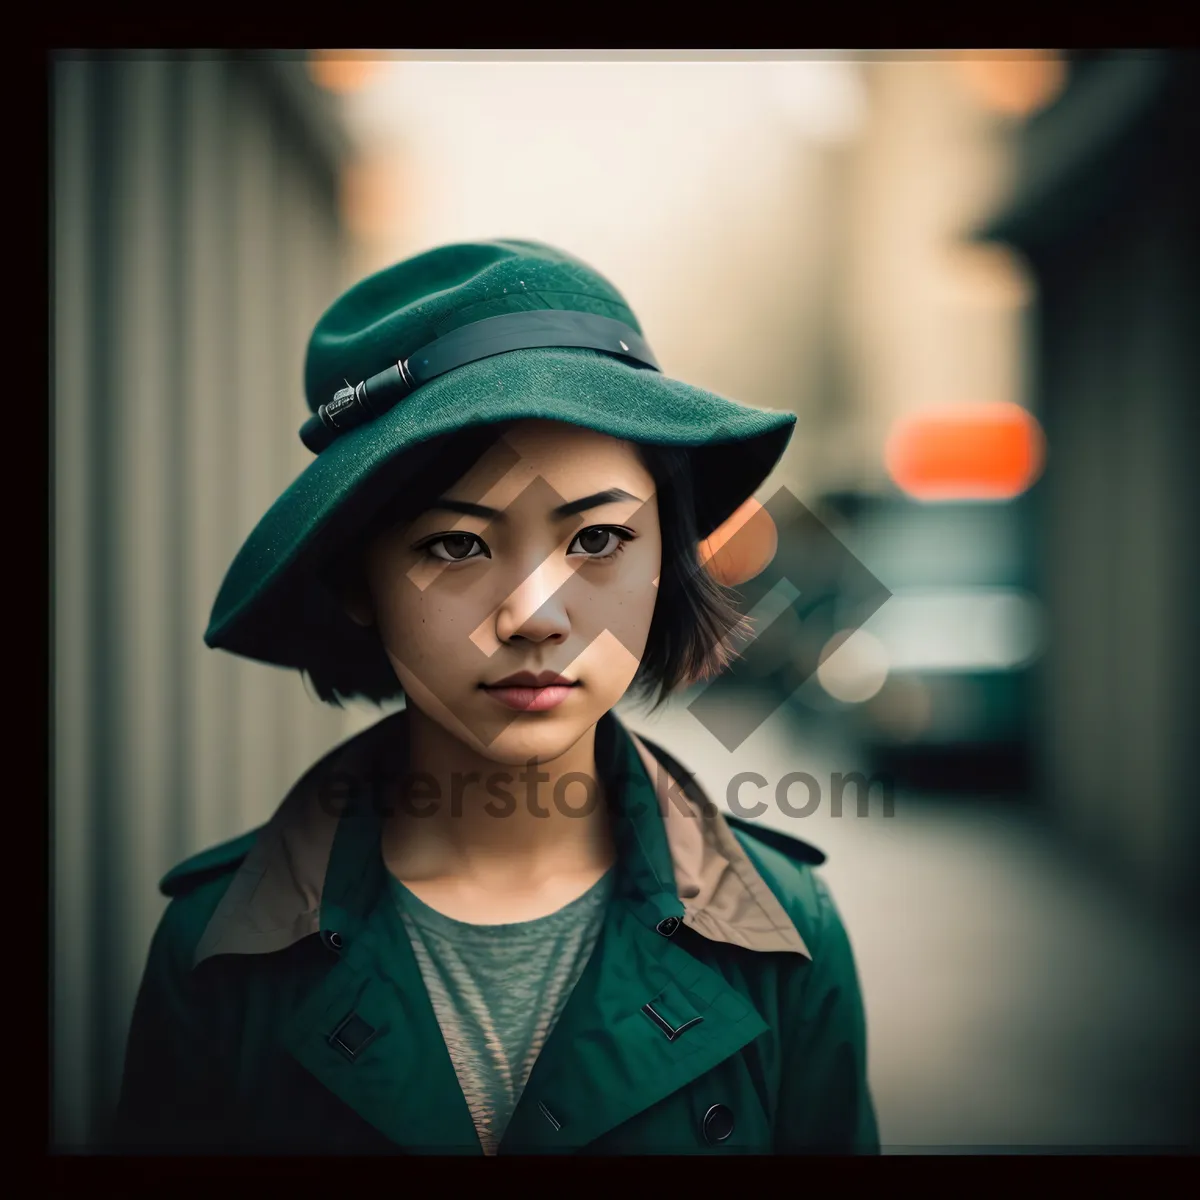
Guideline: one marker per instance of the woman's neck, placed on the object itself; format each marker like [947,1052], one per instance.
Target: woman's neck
[471,821]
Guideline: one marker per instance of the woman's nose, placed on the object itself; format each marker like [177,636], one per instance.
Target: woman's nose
[535,607]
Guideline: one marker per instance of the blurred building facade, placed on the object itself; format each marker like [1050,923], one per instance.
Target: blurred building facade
[925,324]
[196,238]
[1104,206]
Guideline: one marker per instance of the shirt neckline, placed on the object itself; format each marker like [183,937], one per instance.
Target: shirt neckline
[423,914]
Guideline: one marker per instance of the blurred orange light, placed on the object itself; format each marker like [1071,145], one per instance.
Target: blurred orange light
[742,547]
[1015,84]
[985,451]
[341,70]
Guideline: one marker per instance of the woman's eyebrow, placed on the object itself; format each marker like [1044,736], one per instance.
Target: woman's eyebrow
[466,508]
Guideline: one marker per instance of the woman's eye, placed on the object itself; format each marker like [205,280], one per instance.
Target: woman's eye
[456,547]
[601,541]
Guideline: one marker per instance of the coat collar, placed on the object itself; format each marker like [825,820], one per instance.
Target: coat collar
[316,866]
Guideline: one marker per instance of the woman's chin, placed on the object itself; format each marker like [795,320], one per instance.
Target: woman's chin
[540,738]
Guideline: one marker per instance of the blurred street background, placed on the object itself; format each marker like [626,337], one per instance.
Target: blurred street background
[974,278]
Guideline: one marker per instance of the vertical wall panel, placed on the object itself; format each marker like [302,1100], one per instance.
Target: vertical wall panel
[298,233]
[177,365]
[209,525]
[194,246]
[253,382]
[1143,634]
[281,366]
[1081,571]
[1112,382]
[1111,235]
[285,184]
[141,524]
[107,664]
[72,868]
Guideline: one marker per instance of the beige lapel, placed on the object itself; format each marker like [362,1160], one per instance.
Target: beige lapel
[274,898]
[724,897]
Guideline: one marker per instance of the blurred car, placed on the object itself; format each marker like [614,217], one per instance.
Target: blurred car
[935,684]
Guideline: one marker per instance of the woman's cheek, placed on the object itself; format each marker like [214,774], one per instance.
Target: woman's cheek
[406,628]
[608,664]
[619,605]
[430,637]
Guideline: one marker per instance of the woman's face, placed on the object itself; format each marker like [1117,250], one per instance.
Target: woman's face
[542,559]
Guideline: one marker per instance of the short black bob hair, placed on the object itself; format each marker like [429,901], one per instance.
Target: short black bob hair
[695,621]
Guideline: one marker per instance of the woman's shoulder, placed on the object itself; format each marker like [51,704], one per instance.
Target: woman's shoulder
[787,864]
[195,888]
[794,849]
[208,865]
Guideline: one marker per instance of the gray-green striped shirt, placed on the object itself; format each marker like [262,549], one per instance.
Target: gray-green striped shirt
[497,991]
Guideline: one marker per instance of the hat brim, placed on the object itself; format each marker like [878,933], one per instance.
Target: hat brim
[272,602]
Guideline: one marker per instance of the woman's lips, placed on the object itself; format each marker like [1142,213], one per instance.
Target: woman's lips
[532,699]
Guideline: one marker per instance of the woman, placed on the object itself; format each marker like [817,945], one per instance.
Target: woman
[497,921]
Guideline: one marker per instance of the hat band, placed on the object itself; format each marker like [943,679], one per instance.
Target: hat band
[557,328]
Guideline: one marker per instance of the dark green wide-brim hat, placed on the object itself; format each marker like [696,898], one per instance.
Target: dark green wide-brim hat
[273,605]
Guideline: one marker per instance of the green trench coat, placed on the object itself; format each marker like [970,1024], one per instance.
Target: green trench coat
[282,1009]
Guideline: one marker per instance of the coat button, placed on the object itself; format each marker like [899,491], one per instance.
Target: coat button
[332,939]
[718,1124]
[667,926]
